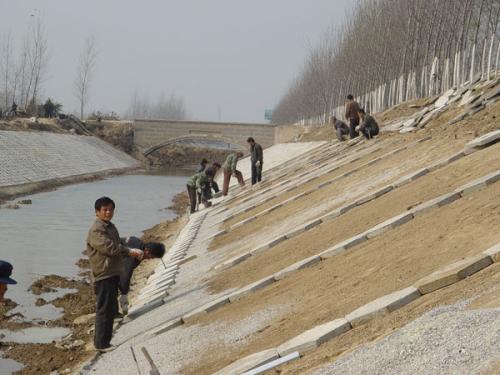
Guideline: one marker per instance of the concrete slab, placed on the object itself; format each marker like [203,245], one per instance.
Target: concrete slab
[484,140]
[314,337]
[410,177]
[167,326]
[453,273]
[295,232]
[273,364]
[313,223]
[233,261]
[331,252]
[374,195]
[276,241]
[382,305]
[389,224]
[262,283]
[331,215]
[139,310]
[493,252]
[434,203]
[308,262]
[250,362]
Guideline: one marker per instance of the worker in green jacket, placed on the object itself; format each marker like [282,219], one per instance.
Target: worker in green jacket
[229,168]
[197,184]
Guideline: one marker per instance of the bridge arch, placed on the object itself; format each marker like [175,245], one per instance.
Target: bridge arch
[208,141]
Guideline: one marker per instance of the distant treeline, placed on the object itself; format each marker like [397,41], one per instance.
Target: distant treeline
[395,46]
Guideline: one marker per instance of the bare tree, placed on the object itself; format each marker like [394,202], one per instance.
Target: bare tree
[170,108]
[84,74]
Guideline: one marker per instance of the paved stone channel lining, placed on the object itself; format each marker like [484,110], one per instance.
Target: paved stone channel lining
[28,157]
[343,246]
[315,336]
[290,185]
[155,291]
[309,175]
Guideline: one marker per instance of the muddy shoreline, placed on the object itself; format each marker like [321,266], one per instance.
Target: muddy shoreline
[66,356]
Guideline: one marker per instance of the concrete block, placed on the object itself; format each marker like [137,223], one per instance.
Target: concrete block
[493,252]
[251,288]
[354,241]
[275,207]
[259,249]
[326,183]
[273,364]
[376,160]
[347,208]
[313,224]
[453,273]
[314,337]
[206,308]
[233,261]
[389,224]
[374,195]
[471,187]
[188,259]
[492,177]
[249,362]
[434,203]
[167,326]
[330,216]
[410,177]
[331,252]
[220,233]
[295,232]
[382,305]
[484,140]
[276,241]
[308,262]
[139,310]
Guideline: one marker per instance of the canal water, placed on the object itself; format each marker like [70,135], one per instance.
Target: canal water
[48,236]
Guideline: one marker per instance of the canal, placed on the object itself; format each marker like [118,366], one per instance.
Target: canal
[48,236]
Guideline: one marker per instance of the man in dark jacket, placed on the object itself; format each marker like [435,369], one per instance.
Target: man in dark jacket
[340,127]
[151,250]
[256,160]
[369,126]
[351,115]
[106,250]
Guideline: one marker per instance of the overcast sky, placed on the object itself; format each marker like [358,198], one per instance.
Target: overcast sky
[235,55]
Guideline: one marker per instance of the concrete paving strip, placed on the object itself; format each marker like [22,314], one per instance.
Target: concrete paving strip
[206,308]
[308,262]
[435,203]
[167,326]
[314,337]
[494,252]
[139,310]
[250,362]
[277,362]
[259,284]
[382,305]
[410,177]
[389,224]
[484,140]
[453,273]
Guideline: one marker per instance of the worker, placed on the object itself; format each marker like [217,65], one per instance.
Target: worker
[229,168]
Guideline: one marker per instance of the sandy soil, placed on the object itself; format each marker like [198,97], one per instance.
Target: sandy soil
[346,190]
[382,265]
[359,219]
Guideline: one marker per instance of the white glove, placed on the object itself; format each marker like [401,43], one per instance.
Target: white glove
[257,163]
[357,128]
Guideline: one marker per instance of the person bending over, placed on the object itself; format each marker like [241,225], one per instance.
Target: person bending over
[106,250]
[229,168]
[129,264]
[369,126]
[197,185]
[340,128]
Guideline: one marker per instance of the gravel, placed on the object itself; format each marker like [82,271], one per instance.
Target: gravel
[445,340]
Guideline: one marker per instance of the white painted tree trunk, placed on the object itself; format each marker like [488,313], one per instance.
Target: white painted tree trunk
[489,57]
[483,60]
[472,63]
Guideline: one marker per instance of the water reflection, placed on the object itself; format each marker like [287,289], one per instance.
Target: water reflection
[48,236]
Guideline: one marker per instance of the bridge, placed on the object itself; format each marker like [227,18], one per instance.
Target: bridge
[151,135]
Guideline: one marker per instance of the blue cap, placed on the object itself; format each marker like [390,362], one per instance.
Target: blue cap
[5,272]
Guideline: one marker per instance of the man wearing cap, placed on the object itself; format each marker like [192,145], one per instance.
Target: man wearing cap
[5,272]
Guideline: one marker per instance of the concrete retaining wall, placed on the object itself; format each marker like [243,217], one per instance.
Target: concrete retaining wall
[28,160]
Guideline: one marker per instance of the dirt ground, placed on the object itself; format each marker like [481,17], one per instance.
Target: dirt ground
[359,219]
[337,286]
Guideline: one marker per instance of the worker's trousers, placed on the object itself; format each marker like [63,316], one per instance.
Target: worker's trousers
[227,178]
[106,292]
[192,198]
[256,173]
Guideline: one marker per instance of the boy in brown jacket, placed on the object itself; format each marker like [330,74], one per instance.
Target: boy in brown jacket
[106,250]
